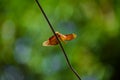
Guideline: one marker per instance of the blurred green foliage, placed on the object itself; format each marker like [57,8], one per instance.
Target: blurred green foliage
[95,53]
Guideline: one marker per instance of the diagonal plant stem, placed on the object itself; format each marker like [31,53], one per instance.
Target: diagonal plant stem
[60,44]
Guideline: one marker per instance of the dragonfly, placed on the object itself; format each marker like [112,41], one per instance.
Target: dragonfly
[53,40]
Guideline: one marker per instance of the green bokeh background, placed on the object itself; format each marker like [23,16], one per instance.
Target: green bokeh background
[95,53]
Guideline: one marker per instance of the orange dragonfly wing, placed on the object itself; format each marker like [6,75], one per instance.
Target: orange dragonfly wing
[67,36]
[70,36]
[53,41]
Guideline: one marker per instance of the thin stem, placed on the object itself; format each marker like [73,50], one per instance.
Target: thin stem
[68,62]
